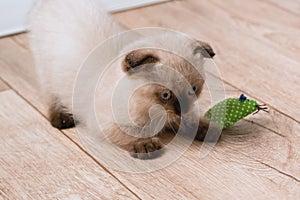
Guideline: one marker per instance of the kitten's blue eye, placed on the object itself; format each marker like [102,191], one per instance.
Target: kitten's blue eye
[166,95]
[193,90]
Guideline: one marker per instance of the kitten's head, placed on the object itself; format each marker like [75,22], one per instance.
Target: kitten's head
[175,81]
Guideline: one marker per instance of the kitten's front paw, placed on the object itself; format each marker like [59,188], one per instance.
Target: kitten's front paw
[147,148]
[203,129]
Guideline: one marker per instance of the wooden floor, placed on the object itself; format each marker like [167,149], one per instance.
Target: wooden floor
[258,53]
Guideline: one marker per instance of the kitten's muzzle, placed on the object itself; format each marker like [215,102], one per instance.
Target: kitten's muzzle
[181,106]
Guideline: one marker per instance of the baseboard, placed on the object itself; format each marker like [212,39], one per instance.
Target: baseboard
[121,5]
[13,13]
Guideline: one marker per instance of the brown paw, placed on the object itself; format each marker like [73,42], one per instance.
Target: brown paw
[61,119]
[147,148]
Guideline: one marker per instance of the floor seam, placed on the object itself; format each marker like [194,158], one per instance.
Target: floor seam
[71,140]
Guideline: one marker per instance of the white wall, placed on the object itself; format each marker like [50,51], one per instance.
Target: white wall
[13,16]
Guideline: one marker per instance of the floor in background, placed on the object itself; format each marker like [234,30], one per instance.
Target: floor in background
[257,48]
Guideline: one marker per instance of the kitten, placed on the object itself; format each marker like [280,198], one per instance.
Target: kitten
[64,32]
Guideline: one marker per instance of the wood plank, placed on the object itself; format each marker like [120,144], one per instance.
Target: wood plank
[263,29]
[245,163]
[261,13]
[230,168]
[26,84]
[222,30]
[238,144]
[23,67]
[289,6]
[290,167]
[38,162]
[3,86]
[224,174]
[154,17]
[262,136]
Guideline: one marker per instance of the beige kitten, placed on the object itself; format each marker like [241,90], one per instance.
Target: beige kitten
[64,32]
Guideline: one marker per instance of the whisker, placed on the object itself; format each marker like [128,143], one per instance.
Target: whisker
[176,122]
[171,126]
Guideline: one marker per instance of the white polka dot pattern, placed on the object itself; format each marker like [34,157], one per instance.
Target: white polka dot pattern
[231,110]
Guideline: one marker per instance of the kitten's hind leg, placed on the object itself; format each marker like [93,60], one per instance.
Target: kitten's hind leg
[60,118]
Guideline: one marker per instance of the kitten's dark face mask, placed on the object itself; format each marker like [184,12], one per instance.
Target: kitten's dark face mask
[176,104]
[182,102]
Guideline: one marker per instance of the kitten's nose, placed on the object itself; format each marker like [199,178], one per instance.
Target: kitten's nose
[177,107]
[181,106]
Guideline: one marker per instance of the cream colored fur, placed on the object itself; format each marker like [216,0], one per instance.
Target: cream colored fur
[63,34]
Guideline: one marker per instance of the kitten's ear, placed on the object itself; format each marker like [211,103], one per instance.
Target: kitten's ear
[138,58]
[204,49]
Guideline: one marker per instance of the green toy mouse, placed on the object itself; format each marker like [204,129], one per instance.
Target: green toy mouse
[231,110]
